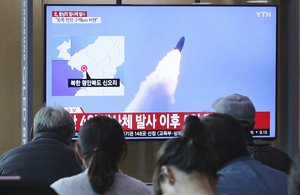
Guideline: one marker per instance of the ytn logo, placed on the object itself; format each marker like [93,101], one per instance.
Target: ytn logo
[264,14]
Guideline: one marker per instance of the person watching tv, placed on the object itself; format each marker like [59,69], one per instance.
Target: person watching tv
[186,165]
[48,156]
[238,172]
[101,146]
[241,108]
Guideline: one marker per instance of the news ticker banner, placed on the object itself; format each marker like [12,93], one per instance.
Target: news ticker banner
[160,124]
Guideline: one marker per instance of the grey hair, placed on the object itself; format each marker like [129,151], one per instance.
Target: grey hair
[54,119]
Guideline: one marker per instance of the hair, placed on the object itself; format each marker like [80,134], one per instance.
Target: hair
[294,176]
[54,119]
[228,141]
[102,145]
[189,153]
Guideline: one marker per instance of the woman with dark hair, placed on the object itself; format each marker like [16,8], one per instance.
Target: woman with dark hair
[186,165]
[101,146]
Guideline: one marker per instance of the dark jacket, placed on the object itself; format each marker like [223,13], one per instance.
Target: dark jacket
[270,156]
[42,161]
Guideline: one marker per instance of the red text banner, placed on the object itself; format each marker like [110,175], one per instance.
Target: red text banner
[69,13]
[171,121]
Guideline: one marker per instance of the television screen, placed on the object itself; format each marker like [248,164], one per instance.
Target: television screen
[149,66]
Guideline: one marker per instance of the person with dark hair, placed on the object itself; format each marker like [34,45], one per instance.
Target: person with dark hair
[238,172]
[101,146]
[294,176]
[241,108]
[48,157]
[186,165]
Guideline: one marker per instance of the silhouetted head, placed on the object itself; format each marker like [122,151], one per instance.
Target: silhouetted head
[189,156]
[241,108]
[55,120]
[101,143]
[228,141]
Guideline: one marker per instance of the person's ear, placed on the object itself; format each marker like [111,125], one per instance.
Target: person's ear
[166,170]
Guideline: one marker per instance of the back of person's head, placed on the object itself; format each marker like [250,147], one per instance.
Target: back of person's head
[55,120]
[190,154]
[241,108]
[294,176]
[227,136]
[102,144]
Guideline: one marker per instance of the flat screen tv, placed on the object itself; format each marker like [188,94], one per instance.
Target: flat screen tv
[149,66]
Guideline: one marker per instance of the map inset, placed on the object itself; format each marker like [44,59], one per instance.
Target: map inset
[97,60]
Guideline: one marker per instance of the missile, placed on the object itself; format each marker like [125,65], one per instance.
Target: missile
[180,44]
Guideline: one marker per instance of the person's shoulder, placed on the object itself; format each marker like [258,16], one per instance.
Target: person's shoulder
[131,184]
[50,144]
[262,147]
[275,172]
[263,171]
[73,179]
[12,157]
[34,147]
[275,179]
[67,185]
[126,178]
[248,176]
[247,165]
[237,163]
[12,152]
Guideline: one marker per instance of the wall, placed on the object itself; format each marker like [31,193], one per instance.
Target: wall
[10,73]
[298,51]
[288,72]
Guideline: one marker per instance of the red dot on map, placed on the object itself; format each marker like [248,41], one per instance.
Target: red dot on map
[84,68]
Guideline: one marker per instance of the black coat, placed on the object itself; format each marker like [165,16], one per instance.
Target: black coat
[42,161]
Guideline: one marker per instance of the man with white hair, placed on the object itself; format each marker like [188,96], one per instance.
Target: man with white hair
[241,108]
[48,157]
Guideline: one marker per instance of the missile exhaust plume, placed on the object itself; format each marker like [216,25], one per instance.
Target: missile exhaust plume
[157,92]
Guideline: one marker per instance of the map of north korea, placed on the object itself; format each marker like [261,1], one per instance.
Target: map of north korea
[98,60]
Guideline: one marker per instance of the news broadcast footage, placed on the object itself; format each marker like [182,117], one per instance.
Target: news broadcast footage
[150,66]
